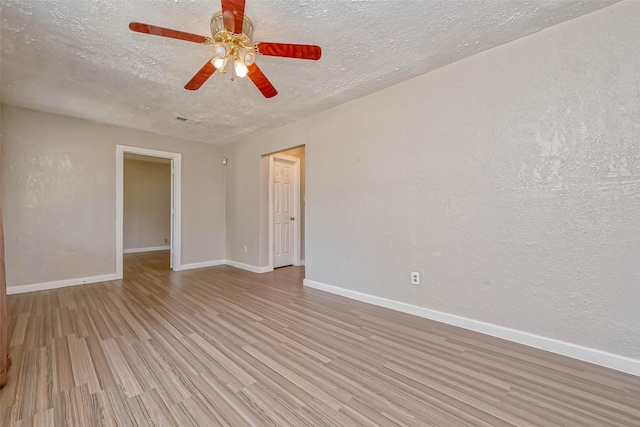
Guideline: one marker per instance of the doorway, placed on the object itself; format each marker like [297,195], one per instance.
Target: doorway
[175,197]
[286,208]
[147,204]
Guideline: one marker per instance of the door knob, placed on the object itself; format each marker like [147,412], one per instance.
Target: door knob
[292,218]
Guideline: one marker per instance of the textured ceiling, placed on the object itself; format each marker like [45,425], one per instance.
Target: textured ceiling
[78,57]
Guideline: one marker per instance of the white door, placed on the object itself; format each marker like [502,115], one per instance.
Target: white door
[283,212]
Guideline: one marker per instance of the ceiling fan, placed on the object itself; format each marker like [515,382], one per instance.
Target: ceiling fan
[232,32]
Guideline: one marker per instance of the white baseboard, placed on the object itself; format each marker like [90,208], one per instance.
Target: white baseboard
[60,284]
[11,290]
[598,357]
[301,262]
[199,265]
[252,268]
[151,249]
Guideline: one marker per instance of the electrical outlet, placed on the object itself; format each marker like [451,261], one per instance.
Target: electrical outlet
[415,278]
[245,249]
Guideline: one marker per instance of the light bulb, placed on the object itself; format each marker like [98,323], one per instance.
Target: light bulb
[240,68]
[219,63]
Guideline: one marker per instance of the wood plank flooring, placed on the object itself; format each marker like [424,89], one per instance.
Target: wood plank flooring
[222,346]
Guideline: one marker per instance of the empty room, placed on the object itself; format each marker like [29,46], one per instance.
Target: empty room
[320,213]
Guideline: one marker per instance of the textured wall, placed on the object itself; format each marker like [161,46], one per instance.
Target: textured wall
[510,180]
[59,195]
[147,204]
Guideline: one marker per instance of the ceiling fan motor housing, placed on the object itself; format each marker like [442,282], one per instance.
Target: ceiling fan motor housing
[218,30]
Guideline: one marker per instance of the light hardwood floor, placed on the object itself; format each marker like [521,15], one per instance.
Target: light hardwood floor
[221,346]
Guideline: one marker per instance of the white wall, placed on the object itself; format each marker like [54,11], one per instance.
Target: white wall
[509,180]
[147,204]
[59,196]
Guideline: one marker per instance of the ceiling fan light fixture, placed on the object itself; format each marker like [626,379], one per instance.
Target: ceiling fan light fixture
[232,34]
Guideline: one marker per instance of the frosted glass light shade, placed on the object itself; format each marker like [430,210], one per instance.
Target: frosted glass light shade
[221,50]
[247,56]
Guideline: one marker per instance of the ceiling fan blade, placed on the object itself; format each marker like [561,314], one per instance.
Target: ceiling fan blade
[288,50]
[201,76]
[233,15]
[262,83]
[139,27]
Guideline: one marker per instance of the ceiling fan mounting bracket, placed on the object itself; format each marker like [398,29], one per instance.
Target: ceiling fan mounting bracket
[237,40]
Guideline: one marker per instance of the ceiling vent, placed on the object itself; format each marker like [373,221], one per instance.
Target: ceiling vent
[188,119]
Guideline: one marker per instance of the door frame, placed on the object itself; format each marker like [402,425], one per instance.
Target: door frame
[296,207]
[176,202]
